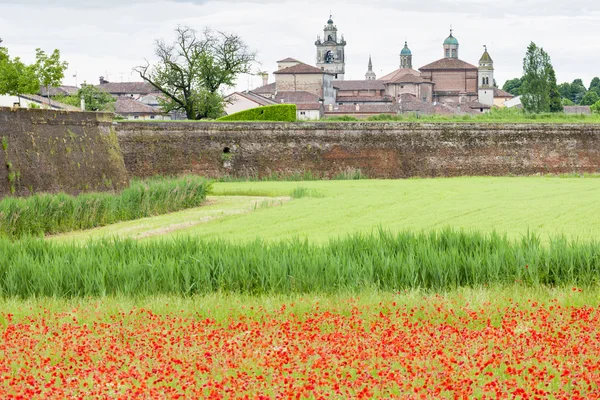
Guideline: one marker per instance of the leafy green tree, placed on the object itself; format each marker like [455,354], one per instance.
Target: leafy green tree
[513,86]
[596,107]
[578,90]
[564,89]
[590,98]
[535,91]
[50,70]
[16,78]
[192,71]
[595,85]
[555,100]
[567,102]
[96,99]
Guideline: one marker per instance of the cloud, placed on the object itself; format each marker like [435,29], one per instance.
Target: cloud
[111,37]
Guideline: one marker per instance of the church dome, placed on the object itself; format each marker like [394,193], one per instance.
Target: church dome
[405,51]
[330,21]
[451,40]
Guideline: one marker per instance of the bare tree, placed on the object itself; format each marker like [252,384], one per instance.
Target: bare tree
[191,71]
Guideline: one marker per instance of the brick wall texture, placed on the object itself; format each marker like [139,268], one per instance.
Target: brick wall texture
[382,150]
[52,151]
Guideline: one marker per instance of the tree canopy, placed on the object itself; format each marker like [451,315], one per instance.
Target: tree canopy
[590,98]
[16,78]
[192,70]
[535,91]
[50,69]
[513,86]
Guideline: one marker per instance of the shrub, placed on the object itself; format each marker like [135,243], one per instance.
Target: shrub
[56,213]
[274,113]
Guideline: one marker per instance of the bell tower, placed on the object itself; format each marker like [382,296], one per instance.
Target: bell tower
[486,79]
[330,51]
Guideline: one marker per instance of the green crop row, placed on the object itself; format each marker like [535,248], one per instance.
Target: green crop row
[43,214]
[439,260]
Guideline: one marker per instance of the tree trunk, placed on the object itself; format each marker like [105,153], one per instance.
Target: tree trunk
[48,94]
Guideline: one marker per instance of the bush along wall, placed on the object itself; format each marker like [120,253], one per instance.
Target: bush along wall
[275,113]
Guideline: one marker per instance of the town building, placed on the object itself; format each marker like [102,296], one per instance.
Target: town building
[133,109]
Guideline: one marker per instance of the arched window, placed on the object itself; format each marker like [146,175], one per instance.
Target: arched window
[329,38]
[453,53]
[329,57]
[447,53]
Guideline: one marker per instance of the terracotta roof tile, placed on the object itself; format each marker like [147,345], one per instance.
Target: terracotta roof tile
[301,69]
[399,72]
[289,59]
[448,63]
[126,105]
[371,99]
[502,93]
[127,88]
[359,85]
[270,88]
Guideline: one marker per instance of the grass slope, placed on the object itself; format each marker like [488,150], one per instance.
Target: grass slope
[544,205]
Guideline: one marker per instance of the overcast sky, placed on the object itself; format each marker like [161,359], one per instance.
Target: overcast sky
[111,37]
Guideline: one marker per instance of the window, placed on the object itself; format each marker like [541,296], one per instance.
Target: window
[329,38]
[302,112]
[447,52]
[454,53]
[136,117]
[152,117]
[401,86]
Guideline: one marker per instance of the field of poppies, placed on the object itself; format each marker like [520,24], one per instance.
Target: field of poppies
[486,343]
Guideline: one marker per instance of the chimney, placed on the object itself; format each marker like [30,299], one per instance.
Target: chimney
[103,81]
[265,77]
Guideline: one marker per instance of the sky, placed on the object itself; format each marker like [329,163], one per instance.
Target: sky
[110,37]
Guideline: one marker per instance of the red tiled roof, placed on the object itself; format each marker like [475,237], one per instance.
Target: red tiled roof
[312,106]
[358,85]
[301,69]
[126,105]
[299,97]
[53,104]
[399,72]
[362,109]
[448,63]
[502,93]
[289,59]
[59,91]
[270,88]
[263,101]
[372,99]
[127,88]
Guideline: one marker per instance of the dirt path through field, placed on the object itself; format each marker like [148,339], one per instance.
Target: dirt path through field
[216,207]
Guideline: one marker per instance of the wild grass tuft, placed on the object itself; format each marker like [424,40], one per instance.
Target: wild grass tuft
[43,214]
[437,260]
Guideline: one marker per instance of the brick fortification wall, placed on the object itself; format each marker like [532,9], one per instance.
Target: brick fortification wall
[385,150]
[52,151]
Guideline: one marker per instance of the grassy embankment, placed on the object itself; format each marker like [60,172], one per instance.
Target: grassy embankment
[547,206]
[55,213]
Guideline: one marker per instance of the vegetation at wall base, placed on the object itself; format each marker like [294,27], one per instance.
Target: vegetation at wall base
[274,113]
[43,214]
[436,260]
[496,115]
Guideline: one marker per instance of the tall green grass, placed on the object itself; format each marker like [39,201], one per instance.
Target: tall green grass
[55,213]
[441,260]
